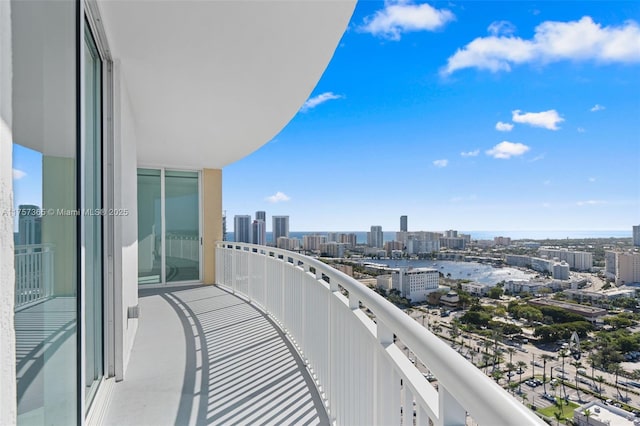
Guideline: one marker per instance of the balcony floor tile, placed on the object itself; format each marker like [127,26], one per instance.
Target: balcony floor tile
[205,356]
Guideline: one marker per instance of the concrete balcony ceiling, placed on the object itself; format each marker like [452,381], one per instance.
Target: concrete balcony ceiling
[209,82]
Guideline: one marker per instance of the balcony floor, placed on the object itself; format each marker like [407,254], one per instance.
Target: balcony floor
[205,356]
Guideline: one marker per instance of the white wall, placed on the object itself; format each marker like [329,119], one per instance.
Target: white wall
[126,197]
[7,332]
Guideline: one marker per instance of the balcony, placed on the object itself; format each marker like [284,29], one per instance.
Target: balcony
[284,338]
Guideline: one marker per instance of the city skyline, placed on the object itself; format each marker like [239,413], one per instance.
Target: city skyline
[471,116]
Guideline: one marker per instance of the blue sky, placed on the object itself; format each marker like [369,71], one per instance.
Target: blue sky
[471,116]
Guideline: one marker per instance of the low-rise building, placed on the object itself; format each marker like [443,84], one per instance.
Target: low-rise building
[475,289]
[596,413]
[450,299]
[287,243]
[590,313]
[415,283]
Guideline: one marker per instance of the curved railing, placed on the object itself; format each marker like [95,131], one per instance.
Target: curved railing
[363,376]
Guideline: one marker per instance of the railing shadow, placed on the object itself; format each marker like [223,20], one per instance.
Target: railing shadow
[240,367]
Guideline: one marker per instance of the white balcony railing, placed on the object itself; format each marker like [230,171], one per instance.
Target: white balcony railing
[34,273]
[362,375]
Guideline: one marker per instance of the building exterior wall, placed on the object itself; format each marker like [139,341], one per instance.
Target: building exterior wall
[212,220]
[628,268]
[7,277]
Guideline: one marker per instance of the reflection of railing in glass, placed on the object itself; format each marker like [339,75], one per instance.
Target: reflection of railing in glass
[34,273]
[183,246]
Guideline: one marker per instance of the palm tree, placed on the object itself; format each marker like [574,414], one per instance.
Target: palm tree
[533,366]
[545,358]
[563,354]
[511,351]
[522,366]
[577,365]
[510,367]
[587,414]
[485,360]
[497,375]
[615,368]
[558,416]
[600,380]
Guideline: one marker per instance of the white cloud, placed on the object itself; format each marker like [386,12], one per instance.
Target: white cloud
[441,163]
[470,153]
[504,127]
[402,16]
[591,203]
[597,107]
[320,99]
[581,130]
[592,179]
[505,150]
[547,119]
[18,174]
[553,41]
[501,28]
[278,197]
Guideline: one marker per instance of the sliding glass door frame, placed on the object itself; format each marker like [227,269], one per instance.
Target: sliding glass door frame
[90,25]
[163,216]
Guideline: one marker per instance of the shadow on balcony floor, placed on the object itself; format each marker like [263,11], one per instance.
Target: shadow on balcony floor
[204,356]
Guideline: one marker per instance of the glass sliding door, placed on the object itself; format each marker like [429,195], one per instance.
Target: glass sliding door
[45,102]
[149,226]
[182,229]
[92,204]
[168,226]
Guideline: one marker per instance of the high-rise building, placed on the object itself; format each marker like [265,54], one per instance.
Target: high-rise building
[403,224]
[313,241]
[259,230]
[261,215]
[242,228]
[375,237]
[280,227]
[636,235]
[627,268]
[29,225]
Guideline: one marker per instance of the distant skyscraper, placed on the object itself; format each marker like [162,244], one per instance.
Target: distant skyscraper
[259,232]
[403,224]
[636,235]
[280,227]
[375,237]
[29,225]
[261,215]
[242,228]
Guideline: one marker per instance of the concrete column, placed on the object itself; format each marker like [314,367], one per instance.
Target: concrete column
[211,220]
[7,277]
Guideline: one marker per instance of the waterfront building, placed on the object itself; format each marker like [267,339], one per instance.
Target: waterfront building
[287,243]
[332,249]
[280,227]
[502,241]
[450,233]
[242,229]
[577,260]
[475,289]
[312,242]
[261,215]
[415,283]
[351,240]
[259,231]
[636,235]
[375,237]
[453,243]
[391,246]
[404,224]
